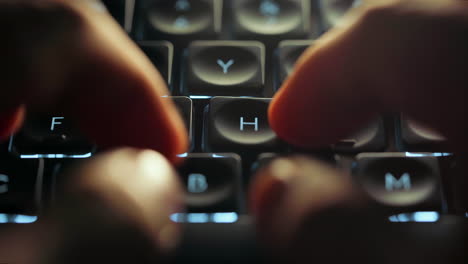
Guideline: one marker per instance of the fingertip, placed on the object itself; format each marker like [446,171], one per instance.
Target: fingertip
[127,190]
[322,101]
[289,190]
[286,120]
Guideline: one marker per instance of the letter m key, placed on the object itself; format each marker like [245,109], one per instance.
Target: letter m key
[392,183]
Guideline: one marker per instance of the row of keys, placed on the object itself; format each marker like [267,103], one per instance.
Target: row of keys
[214,183]
[248,19]
[225,68]
[392,180]
[220,68]
[231,124]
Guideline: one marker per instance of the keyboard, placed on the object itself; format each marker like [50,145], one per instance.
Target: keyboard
[223,61]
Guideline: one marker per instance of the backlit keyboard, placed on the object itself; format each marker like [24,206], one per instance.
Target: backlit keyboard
[223,62]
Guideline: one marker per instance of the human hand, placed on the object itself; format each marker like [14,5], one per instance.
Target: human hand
[385,56]
[71,56]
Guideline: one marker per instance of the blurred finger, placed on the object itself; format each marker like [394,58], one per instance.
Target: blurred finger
[115,209]
[71,57]
[307,211]
[377,60]
[289,188]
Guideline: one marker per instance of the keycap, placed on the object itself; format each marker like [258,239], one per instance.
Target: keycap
[20,185]
[225,68]
[271,18]
[333,10]
[370,138]
[51,136]
[181,18]
[418,137]
[289,53]
[239,125]
[400,182]
[185,106]
[161,54]
[212,182]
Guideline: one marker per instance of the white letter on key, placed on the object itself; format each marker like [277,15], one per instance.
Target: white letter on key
[225,66]
[55,122]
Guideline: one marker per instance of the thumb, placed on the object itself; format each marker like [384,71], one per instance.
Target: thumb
[115,209]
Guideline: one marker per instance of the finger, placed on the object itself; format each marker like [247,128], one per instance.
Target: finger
[379,60]
[115,209]
[289,188]
[309,212]
[71,57]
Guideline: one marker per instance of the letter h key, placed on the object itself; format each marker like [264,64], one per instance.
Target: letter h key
[235,124]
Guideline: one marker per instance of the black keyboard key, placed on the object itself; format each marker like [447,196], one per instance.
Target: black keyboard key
[20,185]
[50,134]
[333,10]
[185,107]
[371,138]
[289,53]
[400,182]
[225,68]
[161,54]
[418,137]
[239,125]
[180,18]
[212,182]
[271,18]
